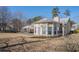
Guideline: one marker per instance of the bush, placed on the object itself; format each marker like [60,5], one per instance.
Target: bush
[71,44]
[77,31]
[12,31]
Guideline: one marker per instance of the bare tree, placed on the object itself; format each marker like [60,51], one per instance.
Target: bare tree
[17,24]
[17,21]
[4,17]
[67,13]
[29,21]
[71,44]
[55,12]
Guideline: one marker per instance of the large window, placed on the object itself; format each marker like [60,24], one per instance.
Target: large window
[38,30]
[49,29]
[55,28]
[43,29]
[60,29]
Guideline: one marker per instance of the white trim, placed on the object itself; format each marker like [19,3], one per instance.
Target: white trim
[63,31]
[46,29]
[52,29]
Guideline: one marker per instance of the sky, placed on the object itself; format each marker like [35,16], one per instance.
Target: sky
[45,11]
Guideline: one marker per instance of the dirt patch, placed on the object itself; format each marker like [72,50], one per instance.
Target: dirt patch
[16,41]
[18,48]
[27,44]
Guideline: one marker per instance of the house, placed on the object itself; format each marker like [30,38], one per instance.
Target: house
[5,27]
[55,27]
[75,27]
[28,28]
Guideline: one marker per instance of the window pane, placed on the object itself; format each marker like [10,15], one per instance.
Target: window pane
[43,30]
[49,30]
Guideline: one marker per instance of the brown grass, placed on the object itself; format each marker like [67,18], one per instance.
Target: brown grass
[17,42]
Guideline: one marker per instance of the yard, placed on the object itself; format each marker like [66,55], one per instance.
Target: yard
[18,42]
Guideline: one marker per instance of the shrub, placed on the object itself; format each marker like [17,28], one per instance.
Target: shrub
[71,44]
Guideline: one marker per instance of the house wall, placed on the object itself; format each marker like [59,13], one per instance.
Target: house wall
[66,29]
[52,29]
[57,30]
[38,29]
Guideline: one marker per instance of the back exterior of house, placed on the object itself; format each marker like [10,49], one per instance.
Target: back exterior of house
[53,27]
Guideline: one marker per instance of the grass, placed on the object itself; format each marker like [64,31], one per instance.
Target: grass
[26,43]
[11,35]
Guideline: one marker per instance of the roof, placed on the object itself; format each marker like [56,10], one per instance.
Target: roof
[45,20]
[64,20]
[29,26]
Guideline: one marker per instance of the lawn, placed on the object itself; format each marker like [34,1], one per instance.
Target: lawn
[18,42]
[10,35]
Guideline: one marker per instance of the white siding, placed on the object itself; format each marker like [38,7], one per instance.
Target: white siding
[52,30]
[36,29]
[46,29]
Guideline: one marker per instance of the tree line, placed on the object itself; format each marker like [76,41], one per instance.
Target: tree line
[16,22]
[66,13]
